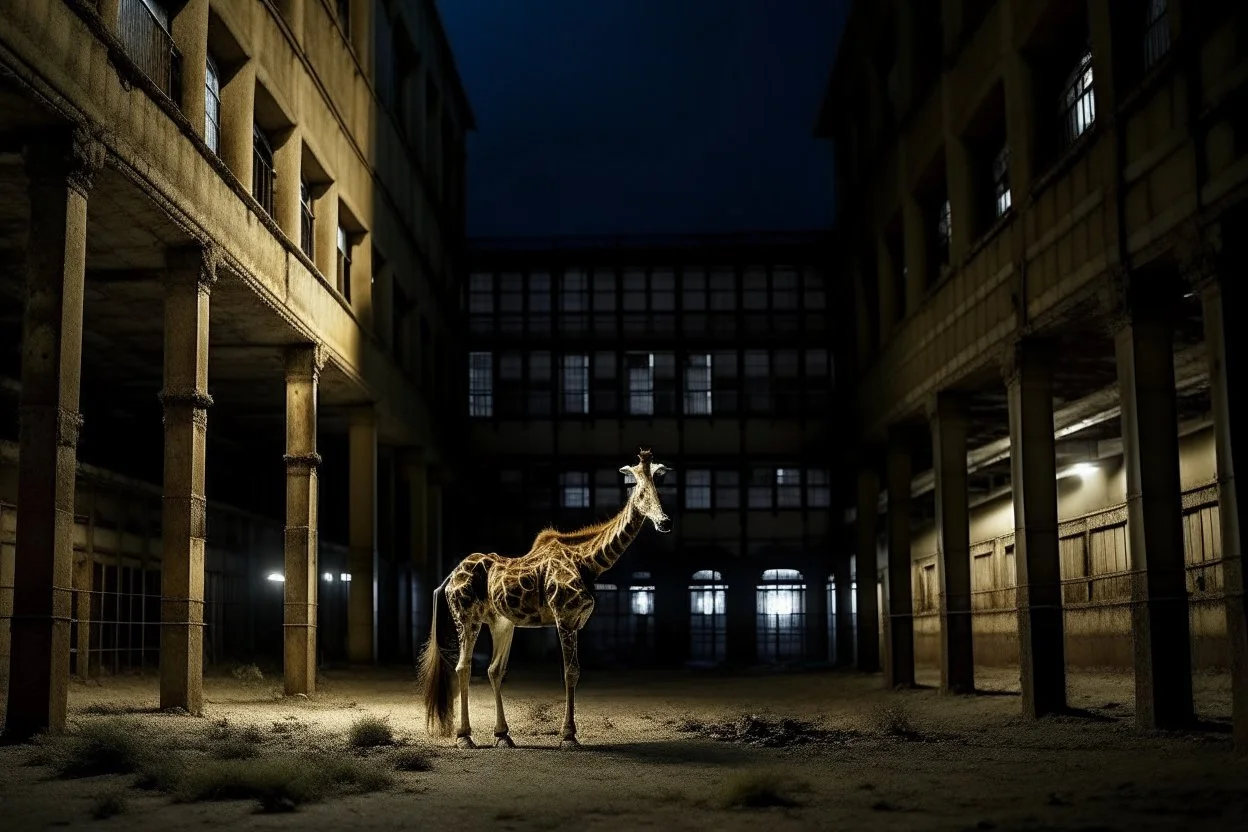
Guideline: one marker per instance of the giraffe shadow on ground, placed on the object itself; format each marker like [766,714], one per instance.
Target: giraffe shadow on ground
[659,752]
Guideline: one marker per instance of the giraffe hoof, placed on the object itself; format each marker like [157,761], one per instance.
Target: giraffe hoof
[465,742]
[569,743]
[503,741]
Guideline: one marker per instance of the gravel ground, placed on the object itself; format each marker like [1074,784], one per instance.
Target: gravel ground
[675,750]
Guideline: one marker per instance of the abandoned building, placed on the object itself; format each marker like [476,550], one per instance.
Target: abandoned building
[1041,211]
[244,219]
[716,352]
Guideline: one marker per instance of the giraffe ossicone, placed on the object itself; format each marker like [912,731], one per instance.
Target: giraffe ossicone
[550,586]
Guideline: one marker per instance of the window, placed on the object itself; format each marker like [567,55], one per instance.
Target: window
[944,231]
[781,604]
[1156,32]
[510,385]
[539,303]
[787,383]
[1001,180]
[698,384]
[606,393]
[760,490]
[1078,102]
[574,301]
[757,381]
[608,489]
[708,620]
[143,28]
[640,368]
[480,384]
[574,489]
[261,169]
[540,385]
[634,291]
[642,600]
[666,393]
[727,490]
[212,107]
[574,376]
[604,302]
[724,381]
[511,303]
[306,220]
[788,488]
[784,290]
[723,291]
[344,263]
[754,290]
[818,495]
[481,303]
[697,489]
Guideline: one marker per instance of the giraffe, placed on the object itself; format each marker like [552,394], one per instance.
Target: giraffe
[552,585]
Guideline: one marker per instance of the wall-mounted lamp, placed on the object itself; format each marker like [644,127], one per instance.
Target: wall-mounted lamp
[328,576]
[345,577]
[1079,469]
[276,577]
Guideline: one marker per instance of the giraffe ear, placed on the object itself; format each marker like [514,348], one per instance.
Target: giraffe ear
[659,470]
[625,470]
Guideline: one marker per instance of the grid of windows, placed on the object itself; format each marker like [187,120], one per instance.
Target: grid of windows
[480,384]
[640,369]
[697,489]
[574,489]
[1078,102]
[698,400]
[574,378]
[212,107]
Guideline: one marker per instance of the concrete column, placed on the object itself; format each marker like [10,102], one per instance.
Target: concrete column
[741,604]
[1033,478]
[186,401]
[287,165]
[947,413]
[362,536]
[238,107]
[1143,342]
[325,232]
[6,604]
[844,611]
[362,278]
[816,614]
[60,168]
[671,618]
[868,571]
[190,34]
[899,663]
[1226,374]
[417,509]
[83,575]
[303,369]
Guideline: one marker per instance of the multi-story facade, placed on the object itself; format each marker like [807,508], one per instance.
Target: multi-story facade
[1041,206]
[253,208]
[715,353]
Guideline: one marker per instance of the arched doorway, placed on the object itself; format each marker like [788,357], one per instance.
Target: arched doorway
[781,615]
[708,619]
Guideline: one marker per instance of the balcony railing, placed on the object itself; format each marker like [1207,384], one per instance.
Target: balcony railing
[1156,39]
[150,46]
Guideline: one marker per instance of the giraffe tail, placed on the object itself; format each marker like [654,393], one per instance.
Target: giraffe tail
[435,669]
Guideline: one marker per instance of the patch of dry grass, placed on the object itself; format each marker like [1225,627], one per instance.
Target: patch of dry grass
[893,719]
[411,759]
[109,803]
[370,732]
[105,746]
[281,782]
[247,673]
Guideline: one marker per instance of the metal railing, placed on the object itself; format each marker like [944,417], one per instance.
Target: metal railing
[150,46]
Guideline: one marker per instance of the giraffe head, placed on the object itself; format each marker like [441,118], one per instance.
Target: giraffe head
[645,494]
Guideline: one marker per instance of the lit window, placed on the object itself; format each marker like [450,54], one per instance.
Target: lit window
[642,600]
[212,107]
[1078,104]
[698,385]
[480,384]
[640,367]
[708,622]
[575,379]
[788,488]
[344,263]
[574,489]
[781,605]
[1001,180]
[697,489]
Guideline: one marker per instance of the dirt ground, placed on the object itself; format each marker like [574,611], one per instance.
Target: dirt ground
[652,757]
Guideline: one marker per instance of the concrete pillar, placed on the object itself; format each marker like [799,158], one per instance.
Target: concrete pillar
[816,614]
[362,537]
[1143,342]
[844,611]
[303,369]
[1033,478]
[1224,370]
[947,413]
[83,577]
[671,617]
[238,107]
[899,663]
[6,602]
[60,168]
[362,278]
[186,401]
[868,570]
[190,34]
[325,232]
[740,604]
[288,165]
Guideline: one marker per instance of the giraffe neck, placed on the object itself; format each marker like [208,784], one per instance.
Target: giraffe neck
[601,552]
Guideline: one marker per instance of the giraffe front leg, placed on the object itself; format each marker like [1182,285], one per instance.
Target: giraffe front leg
[571,674]
[463,671]
[500,632]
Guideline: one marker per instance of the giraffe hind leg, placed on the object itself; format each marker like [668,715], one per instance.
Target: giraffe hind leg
[463,670]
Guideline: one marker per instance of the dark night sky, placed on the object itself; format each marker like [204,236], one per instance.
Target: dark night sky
[645,116]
